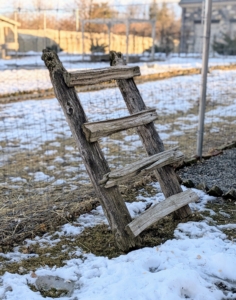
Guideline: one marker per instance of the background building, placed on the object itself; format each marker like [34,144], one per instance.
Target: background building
[223,22]
[8,35]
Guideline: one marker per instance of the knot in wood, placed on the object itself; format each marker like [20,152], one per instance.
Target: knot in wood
[69,109]
[116,59]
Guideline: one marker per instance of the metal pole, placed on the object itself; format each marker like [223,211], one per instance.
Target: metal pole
[202,22]
[127,41]
[205,56]
[153,38]
[109,37]
[44,21]
[77,19]
[15,16]
[44,28]
[181,46]
[77,28]
[15,31]
[82,25]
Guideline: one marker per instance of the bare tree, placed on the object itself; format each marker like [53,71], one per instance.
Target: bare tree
[167,26]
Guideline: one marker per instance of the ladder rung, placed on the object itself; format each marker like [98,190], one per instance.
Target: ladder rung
[95,76]
[95,130]
[160,210]
[143,166]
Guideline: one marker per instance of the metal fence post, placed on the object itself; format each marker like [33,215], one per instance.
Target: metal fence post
[77,19]
[44,29]
[205,56]
[82,30]
[153,38]
[127,40]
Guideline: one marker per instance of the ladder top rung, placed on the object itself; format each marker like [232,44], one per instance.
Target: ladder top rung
[95,76]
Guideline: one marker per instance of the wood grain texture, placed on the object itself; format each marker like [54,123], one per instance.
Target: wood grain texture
[95,76]
[95,130]
[160,210]
[143,166]
[149,137]
[112,203]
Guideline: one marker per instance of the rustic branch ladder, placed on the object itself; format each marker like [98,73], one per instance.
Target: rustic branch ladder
[86,135]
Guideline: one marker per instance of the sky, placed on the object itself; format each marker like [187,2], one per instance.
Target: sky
[8,6]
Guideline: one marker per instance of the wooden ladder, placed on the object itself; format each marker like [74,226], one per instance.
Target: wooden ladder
[87,134]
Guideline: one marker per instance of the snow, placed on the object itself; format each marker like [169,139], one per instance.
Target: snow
[37,122]
[29,73]
[46,122]
[188,266]
[50,152]
[40,176]
[59,182]
[34,60]
[69,60]
[17,179]
[227,226]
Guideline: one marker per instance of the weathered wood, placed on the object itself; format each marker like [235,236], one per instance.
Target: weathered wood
[95,76]
[160,210]
[144,166]
[95,130]
[149,136]
[113,205]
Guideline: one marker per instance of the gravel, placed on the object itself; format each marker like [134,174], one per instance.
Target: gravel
[218,170]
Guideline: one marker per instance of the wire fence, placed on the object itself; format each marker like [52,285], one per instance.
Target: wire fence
[41,172]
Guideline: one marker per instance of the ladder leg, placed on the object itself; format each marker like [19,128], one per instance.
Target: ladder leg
[149,137]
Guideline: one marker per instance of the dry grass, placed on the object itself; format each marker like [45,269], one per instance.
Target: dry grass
[41,94]
[25,213]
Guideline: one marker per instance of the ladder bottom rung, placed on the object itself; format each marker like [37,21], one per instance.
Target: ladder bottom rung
[160,210]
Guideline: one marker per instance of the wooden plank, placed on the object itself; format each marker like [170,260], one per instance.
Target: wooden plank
[95,130]
[149,136]
[143,166]
[160,210]
[112,203]
[95,76]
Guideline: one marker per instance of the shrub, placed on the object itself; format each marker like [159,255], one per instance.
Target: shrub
[101,48]
[167,49]
[226,47]
[55,47]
